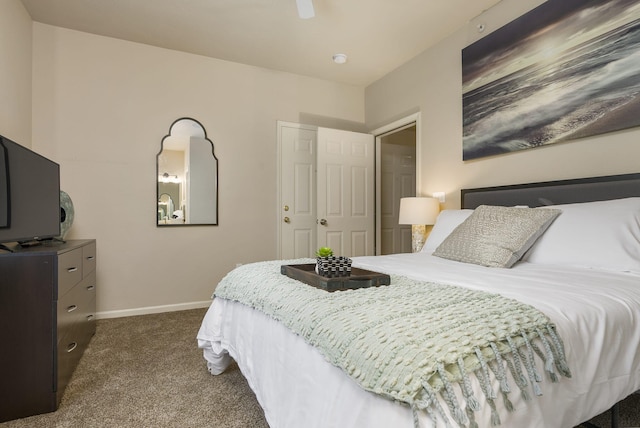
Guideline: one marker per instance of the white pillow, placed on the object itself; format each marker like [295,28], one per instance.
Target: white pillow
[603,235]
[445,223]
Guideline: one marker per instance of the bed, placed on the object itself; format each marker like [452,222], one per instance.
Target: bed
[580,271]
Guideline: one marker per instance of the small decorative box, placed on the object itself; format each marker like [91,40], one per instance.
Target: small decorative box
[333,266]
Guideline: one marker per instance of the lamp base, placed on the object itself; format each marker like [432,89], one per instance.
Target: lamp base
[418,234]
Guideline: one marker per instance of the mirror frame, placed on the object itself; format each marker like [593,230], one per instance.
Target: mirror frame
[206,138]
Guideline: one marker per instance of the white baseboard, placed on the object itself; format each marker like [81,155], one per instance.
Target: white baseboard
[153,310]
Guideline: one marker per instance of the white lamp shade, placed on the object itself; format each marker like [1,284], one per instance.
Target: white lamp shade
[418,210]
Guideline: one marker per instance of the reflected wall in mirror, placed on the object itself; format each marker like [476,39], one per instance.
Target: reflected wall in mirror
[187,176]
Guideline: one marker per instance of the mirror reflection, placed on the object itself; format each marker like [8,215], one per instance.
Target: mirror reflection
[187,171]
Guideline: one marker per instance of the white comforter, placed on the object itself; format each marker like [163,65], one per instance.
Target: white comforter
[597,314]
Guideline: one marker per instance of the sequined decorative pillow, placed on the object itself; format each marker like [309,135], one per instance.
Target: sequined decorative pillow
[496,236]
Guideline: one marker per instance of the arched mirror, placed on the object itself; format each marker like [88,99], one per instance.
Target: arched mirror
[187,171]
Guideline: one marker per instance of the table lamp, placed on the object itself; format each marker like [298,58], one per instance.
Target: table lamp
[418,212]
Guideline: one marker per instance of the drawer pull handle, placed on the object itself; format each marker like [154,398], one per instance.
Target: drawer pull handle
[72,346]
[91,258]
[91,287]
[72,269]
[89,317]
[72,308]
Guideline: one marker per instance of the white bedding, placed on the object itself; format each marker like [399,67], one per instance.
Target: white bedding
[597,314]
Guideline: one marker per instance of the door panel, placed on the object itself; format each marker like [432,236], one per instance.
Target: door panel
[359,242]
[346,192]
[358,197]
[334,240]
[333,197]
[302,243]
[298,192]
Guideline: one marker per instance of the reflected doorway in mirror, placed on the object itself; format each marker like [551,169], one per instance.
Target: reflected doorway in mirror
[187,176]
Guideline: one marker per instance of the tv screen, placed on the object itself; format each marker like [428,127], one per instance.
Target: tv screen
[29,194]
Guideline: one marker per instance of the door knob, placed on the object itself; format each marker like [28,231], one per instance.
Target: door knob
[287,220]
[323,222]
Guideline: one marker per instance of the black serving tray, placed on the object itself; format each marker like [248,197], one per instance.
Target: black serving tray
[359,278]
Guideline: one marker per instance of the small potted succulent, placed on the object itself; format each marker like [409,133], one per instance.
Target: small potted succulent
[329,265]
[324,252]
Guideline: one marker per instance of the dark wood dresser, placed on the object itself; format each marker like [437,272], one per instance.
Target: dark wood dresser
[47,317]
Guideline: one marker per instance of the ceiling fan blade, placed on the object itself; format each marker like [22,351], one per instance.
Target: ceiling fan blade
[305,9]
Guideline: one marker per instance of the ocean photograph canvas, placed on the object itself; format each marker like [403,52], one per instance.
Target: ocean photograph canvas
[568,69]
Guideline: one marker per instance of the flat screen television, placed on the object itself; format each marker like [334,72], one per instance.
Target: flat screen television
[29,195]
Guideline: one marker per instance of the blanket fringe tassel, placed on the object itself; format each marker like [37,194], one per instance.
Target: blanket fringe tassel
[519,360]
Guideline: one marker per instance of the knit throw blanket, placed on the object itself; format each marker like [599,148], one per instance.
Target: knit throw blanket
[412,341]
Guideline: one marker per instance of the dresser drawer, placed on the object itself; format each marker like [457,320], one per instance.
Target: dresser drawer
[88,259]
[69,270]
[77,306]
[70,349]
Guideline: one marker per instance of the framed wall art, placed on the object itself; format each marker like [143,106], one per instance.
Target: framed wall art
[567,69]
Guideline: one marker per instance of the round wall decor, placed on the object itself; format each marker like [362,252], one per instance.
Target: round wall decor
[66,214]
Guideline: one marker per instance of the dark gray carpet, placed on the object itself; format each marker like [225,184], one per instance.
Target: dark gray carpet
[147,371]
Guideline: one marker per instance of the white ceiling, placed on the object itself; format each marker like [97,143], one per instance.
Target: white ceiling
[377,35]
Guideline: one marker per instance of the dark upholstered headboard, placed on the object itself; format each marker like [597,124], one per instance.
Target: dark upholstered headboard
[555,192]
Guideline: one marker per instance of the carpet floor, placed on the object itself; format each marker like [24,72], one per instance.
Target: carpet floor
[146,371]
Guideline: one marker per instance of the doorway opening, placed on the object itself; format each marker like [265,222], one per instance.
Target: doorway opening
[397,176]
[397,180]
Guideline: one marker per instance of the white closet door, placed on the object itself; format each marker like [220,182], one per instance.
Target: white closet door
[345,202]
[297,209]
[326,191]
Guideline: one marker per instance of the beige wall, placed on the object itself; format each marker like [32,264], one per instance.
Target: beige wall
[101,108]
[15,72]
[431,84]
